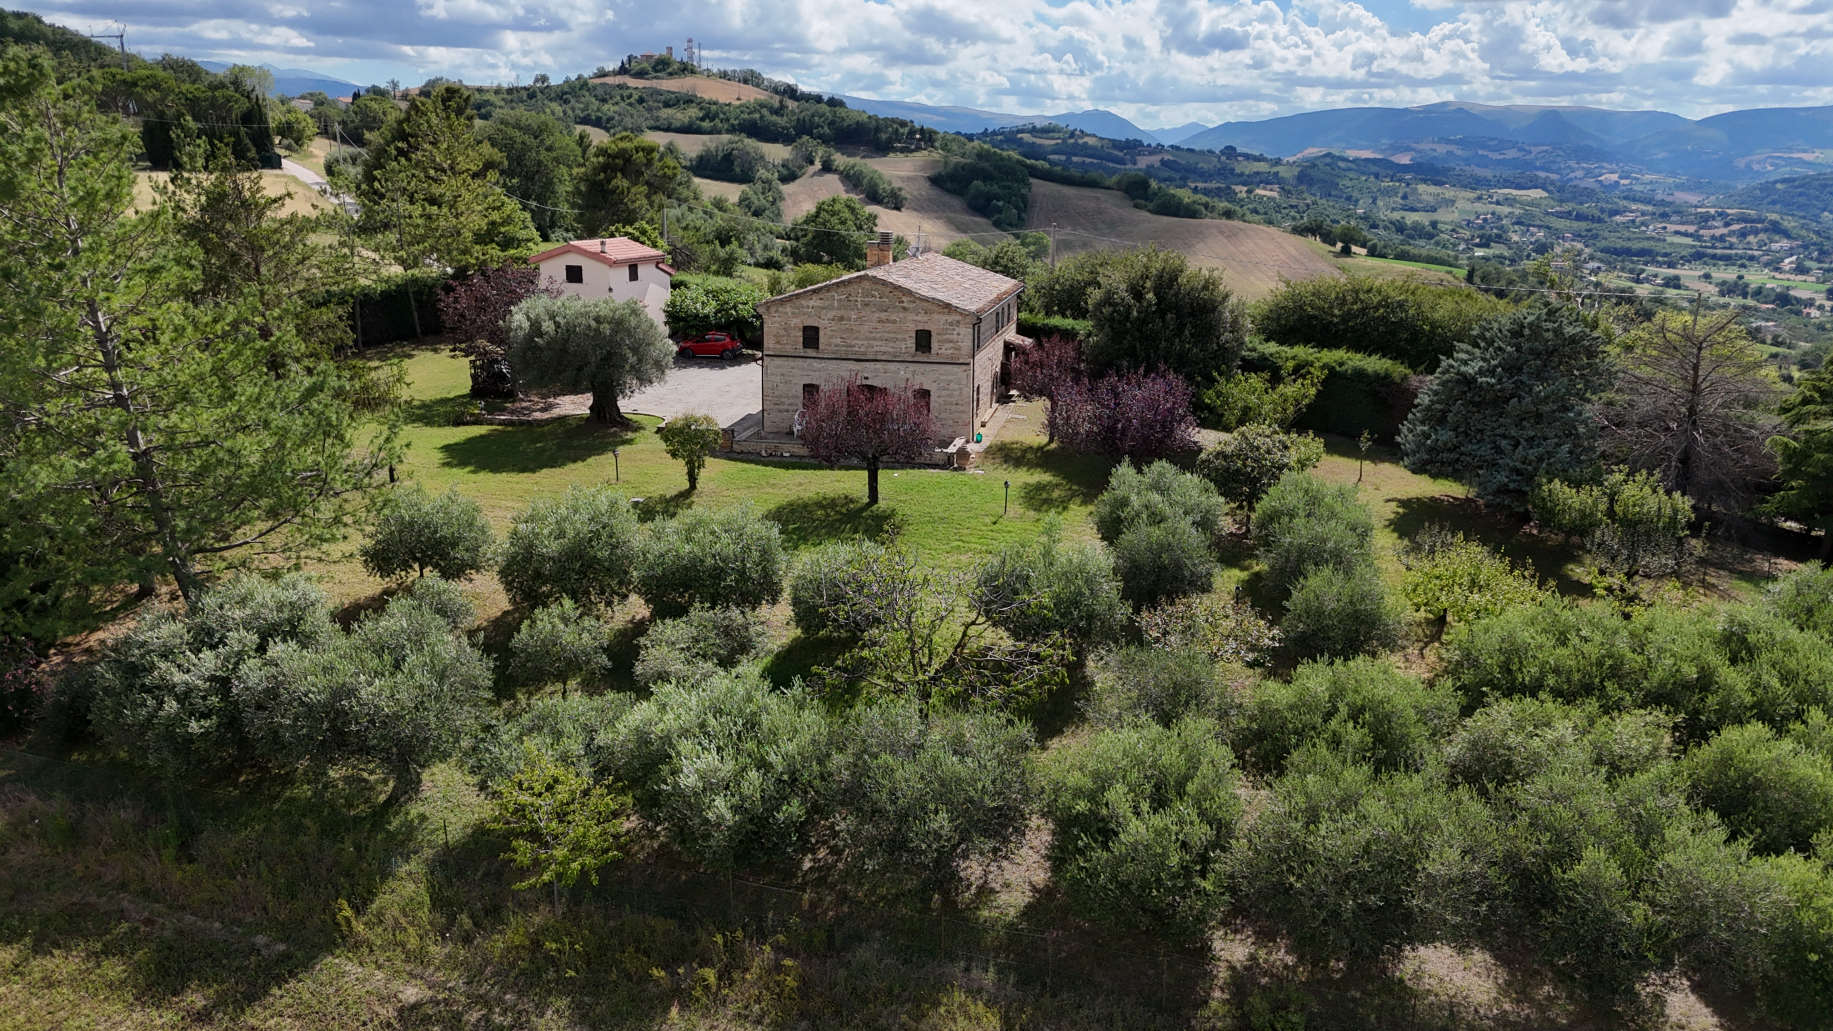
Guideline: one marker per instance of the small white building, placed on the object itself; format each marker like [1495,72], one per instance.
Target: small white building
[616,267]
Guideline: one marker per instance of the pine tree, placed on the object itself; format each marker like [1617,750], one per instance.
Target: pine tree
[147,435]
[1806,457]
[1511,407]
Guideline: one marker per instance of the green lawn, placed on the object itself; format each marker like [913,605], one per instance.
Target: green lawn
[951,518]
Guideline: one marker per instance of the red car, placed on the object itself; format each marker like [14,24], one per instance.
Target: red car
[716,344]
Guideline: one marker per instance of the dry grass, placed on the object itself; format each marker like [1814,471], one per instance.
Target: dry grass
[706,87]
[692,143]
[300,198]
[1254,258]
[934,214]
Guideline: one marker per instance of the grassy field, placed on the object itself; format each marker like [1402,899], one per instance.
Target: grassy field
[1394,268]
[300,198]
[703,86]
[952,518]
[1255,259]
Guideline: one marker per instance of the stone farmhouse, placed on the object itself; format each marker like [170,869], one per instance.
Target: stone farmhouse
[616,267]
[930,324]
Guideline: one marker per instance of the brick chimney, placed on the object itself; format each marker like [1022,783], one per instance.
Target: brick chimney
[878,251]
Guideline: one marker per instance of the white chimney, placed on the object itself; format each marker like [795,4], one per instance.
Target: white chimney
[601,246]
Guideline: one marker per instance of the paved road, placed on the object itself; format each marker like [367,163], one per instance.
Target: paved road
[726,391]
[316,182]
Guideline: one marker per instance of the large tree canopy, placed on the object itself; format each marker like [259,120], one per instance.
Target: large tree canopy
[430,190]
[610,348]
[834,233]
[1156,310]
[1806,456]
[153,425]
[627,180]
[1512,407]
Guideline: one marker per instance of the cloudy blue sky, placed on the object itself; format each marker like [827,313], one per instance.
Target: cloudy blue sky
[1158,62]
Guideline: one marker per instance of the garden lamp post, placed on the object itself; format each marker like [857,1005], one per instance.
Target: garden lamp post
[1007,510]
[617,468]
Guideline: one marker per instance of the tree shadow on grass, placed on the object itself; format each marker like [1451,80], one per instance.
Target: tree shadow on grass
[529,449]
[801,656]
[664,507]
[435,411]
[824,518]
[1073,479]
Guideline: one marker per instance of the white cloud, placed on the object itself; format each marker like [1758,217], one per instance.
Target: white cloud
[1156,61]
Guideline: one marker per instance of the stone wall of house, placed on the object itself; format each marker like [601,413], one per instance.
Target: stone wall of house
[868,328]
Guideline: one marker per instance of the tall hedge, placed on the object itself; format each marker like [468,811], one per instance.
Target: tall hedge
[1359,392]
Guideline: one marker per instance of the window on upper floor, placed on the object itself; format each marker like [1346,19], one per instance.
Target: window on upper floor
[811,338]
[634,273]
[575,273]
[922,341]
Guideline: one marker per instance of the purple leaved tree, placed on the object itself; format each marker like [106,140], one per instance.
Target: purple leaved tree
[1047,369]
[850,421]
[1138,415]
[473,311]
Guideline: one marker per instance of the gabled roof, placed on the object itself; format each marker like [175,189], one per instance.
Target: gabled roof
[612,250]
[936,277]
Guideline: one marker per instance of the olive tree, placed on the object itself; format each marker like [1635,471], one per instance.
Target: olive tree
[416,532]
[580,546]
[710,557]
[609,348]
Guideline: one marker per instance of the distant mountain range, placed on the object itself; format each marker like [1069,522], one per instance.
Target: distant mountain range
[291,82]
[1734,146]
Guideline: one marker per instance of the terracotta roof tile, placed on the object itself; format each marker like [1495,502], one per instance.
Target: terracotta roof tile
[937,277]
[612,250]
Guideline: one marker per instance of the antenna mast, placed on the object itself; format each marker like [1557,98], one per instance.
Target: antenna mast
[120,39]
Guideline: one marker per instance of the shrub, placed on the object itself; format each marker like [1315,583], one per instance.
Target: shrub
[399,692]
[1161,492]
[1354,866]
[167,692]
[445,599]
[1142,819]
[1304,524]
[416,532]
[1410,322]
[561,728]
[1335,613]
[729,768]
[1797,983]
[689,439]
[559,823]
[1125,414]
[1248,462]
[1628,521]
[578,546]
[1514,739]
[1452,579]
[1767,788]
[1157,684]
[23,686]
[834,589]
[1224,631]
[1805,598]
[559,644]
[1357,393]
[727,557]
[700,304]
[916,794]
[1158,562]
[1361,708]
[1044,587]
[699,645]
[1253,399]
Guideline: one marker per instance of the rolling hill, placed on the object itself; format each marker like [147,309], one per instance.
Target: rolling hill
[291,82]
[1095,121]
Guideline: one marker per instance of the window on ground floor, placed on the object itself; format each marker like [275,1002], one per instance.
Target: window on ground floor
[633,273]
[811,392]
[921,397]
[575,273]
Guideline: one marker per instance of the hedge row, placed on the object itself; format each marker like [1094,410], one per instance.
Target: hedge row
[1040,327]
[386,306]
[1359,392]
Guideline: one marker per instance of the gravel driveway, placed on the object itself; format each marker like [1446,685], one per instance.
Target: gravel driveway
[727,391]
